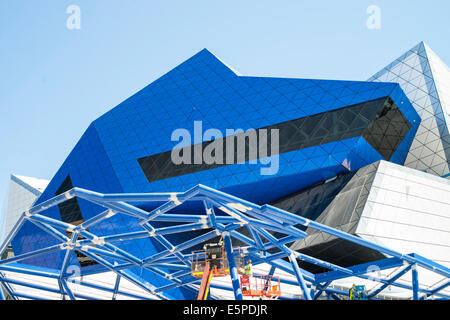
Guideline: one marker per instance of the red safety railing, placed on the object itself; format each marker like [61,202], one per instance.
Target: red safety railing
[260,286]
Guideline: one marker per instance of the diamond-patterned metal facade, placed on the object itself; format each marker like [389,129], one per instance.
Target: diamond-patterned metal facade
[339,204]
[425,79]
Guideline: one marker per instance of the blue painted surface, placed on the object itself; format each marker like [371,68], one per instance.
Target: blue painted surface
[203,88]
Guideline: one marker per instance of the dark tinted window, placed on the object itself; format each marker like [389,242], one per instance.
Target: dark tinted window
[71,213]
[379,121]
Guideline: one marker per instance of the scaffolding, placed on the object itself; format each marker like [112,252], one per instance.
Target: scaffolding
[270,231]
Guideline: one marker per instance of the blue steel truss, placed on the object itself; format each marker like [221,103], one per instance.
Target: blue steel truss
[269,228]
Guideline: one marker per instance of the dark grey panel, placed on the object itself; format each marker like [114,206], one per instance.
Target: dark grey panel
[71,213]
[388,130]
[341,252]
[339,204]
[69,210]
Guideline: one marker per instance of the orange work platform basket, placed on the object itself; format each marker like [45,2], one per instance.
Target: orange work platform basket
[260,286]
[218,262]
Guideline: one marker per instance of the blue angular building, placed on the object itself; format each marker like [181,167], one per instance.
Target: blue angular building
[324,129]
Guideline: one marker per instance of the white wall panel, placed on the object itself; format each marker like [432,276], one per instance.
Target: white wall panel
[409,211]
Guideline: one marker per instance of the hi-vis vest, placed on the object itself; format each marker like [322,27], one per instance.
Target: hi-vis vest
[248,269]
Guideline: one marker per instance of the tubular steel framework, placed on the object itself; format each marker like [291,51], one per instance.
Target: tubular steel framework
[262,222]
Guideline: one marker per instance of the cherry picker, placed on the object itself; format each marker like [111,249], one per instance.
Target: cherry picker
[212,262]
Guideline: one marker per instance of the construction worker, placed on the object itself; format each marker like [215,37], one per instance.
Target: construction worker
[351,292]
[248,268]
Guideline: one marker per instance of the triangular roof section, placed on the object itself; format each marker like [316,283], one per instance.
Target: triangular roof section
[441,75]
[22,194]
[34,185]
[425,79]
[205,72]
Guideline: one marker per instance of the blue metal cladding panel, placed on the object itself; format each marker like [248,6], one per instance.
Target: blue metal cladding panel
[204,89]
[90,168]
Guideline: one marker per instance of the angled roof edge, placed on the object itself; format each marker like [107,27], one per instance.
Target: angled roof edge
[224,63]
[33,185]
[415,49]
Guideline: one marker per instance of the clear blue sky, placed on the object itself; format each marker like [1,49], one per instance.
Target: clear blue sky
[55,81]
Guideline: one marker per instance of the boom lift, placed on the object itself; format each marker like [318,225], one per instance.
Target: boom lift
[206,281]
[212,262]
